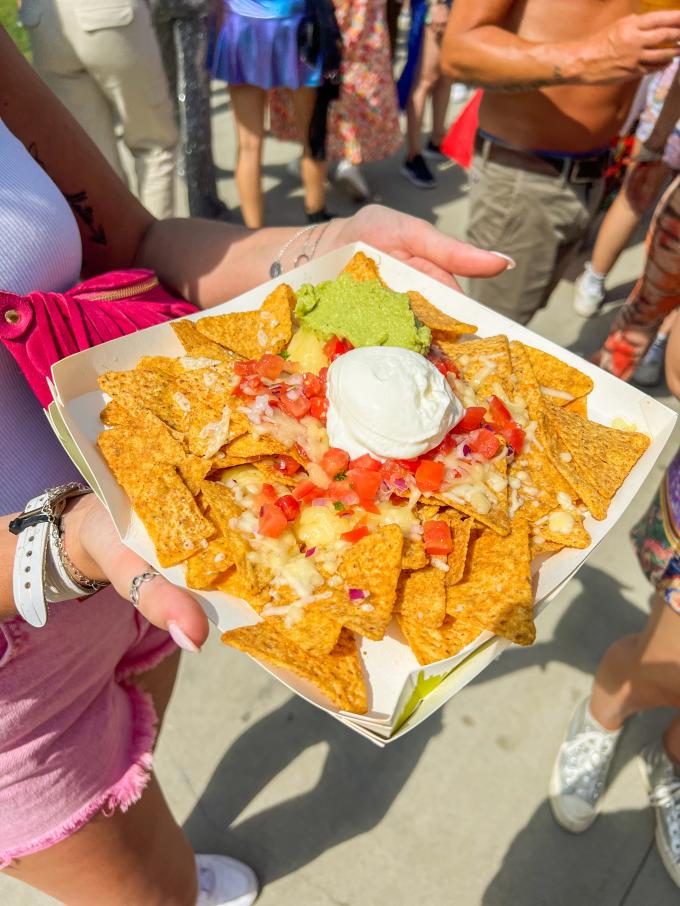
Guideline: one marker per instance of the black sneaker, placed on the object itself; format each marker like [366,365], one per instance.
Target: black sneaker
[418,172]
[322,216]
[434,152]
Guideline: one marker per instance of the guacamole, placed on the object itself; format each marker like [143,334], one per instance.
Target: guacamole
[366,314]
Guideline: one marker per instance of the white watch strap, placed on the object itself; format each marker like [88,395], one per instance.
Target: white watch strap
[29,565]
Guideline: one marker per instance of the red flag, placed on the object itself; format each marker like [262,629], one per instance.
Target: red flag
[460,139]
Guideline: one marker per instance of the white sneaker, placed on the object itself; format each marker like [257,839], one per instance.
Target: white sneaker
[349,177]
[580,773]
[223,881]
[587,296]
[663,787]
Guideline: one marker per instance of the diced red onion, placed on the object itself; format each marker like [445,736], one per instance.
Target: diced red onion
[350,498]
[310,552]
[357,594]
[321,501]
[466,450]
[400,483]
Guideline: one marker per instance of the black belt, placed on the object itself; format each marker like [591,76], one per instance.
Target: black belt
[580,170]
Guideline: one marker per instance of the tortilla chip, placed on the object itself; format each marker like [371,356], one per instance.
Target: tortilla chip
[578,406]
[208,566]
[137,390]
[421,596]
[268,470]
[338,675]
[316,631]
[114,414]
[554,374]
[169,513]
[577,537]
[603,455]
[164,364]
[250,447]
[443,326]
[496,585]
[363,269]
[134,446]
[210,417]
[222,509]
[498,517]
[372,565]
[414,555]
[461,531]
[197,345]
[483,364]
[430,645]
[427,511]
[254,333]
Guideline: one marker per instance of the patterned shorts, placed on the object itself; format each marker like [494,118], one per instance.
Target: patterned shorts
[657,547]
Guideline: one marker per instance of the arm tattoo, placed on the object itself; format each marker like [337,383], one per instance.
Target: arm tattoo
[557,79]
[82,210]
[78,204]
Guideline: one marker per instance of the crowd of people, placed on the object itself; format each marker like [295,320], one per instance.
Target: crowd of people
[84,817]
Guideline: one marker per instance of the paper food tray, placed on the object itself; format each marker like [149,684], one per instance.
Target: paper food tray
[401,692]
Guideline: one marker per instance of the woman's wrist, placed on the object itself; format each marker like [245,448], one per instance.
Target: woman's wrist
[74,524]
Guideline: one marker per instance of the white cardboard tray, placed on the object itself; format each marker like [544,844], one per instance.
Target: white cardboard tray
[401,693]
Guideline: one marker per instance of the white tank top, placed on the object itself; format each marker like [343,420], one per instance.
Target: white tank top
[40,249]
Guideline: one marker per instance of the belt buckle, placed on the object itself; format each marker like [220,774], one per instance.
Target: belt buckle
[575,171]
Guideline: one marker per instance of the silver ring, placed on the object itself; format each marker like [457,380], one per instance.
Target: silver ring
[137,583]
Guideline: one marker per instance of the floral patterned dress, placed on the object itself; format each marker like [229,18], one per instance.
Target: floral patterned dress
[364,123]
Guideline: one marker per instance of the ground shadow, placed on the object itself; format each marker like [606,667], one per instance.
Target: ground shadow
[357,787]
[546,866]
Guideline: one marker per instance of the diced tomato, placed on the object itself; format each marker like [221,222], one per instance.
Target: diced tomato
[244,367]
[365,482]
[471,420]
[429,475]
[312,385]
[250,385]
[306,491]
[484,442]
[356,534]
[514,436]
[335,347]
[296,407]
[391,470]
[334,461]
[323,375]
[365,462]
[369,506]
[270,366]
[272,521]
[286,464]
[318,407]
[289,506]
[267,495]
[444,365]
[445,447]
[301,452]
[437,537]
[411,465]
[500,415]
[343,491]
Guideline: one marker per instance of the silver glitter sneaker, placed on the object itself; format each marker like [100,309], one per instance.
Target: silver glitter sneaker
[663,786]
[580,773]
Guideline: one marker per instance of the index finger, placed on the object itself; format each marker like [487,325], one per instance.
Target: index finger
[659,19]
[451,255]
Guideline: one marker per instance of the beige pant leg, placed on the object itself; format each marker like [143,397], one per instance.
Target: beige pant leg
[536,219]
[55,60]
[116,46]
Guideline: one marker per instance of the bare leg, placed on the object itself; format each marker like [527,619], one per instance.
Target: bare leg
[640,190]
[440,104]
[428,75]
[640,672]
[313,172]
[248,102]
[140,857]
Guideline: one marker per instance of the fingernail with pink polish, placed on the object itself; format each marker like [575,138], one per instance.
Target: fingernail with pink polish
[181,638]
[512,264]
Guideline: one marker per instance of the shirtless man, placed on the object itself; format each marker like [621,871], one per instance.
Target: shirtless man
[559,77]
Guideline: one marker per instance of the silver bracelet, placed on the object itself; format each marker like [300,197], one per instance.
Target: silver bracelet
[276,269]
[86,585]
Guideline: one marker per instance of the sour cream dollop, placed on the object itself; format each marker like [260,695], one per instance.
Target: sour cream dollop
[389,402]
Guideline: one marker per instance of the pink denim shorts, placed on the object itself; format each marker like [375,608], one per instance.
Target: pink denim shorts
[75,735]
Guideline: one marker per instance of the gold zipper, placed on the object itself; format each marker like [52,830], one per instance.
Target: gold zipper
[134,290]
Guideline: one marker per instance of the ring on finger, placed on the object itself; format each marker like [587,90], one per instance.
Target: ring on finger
[137,583]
